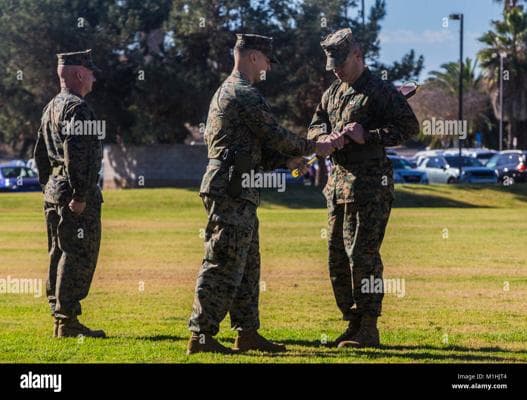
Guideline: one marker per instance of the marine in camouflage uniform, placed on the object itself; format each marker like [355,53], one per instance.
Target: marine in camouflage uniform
[242,135]
[360,189]
[68,166]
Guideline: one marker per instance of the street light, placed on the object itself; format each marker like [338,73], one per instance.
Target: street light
[459,17]
[501,55]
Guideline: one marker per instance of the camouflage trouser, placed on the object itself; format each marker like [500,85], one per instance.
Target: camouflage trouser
[355,236]
[73,245]
[229,277]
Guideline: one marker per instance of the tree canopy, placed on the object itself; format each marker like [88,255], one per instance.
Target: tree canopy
[162,60]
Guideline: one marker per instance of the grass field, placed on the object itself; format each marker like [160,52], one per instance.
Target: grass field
[460,250]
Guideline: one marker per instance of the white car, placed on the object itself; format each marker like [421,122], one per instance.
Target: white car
[445,169]
[421,155]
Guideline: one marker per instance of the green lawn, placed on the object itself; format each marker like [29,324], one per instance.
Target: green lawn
[460,250]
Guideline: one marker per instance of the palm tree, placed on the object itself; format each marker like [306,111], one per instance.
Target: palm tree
[508,39]
[448,78]
[445,84]
[509,4]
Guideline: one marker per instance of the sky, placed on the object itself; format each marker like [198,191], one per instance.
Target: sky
[417,24]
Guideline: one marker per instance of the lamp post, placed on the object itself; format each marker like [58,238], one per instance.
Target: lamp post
[502,56]
[459,17]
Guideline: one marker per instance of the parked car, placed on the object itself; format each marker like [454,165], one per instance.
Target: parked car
[403,172]
[17,178]
[421,155]
[510,163]
[31,164]
[412,161]
[17,163]
[445,169]
[481,154]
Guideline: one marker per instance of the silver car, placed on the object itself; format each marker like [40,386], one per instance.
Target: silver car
[445,169]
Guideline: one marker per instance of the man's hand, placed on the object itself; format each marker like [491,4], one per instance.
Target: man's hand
[298,163]
[355,132]
[323,148]
[337,139]
[77,207]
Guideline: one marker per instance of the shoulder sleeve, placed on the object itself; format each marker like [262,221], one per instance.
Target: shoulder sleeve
[256,114]
[320,125]
[40,153]
[78,149]
[400,122]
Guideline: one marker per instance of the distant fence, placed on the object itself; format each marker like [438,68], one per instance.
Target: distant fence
[154,165]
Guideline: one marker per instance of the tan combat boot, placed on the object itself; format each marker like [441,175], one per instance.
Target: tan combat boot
[203,343]
[252,340]
[352,330]
[367,336]
[73,328]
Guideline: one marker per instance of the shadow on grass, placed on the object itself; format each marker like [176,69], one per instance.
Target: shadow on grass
[495,349]
[302,342]
[408,196]
[159,338]
[310,197]
[419,355]
[519,190]
[314,348]
[416,198]
[295,197]
[361,355]
[414,352]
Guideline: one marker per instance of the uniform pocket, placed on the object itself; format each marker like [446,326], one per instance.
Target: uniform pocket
[221,243]
[214,180]
[68,230]
[58,191]
[344,185]
[328,191]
